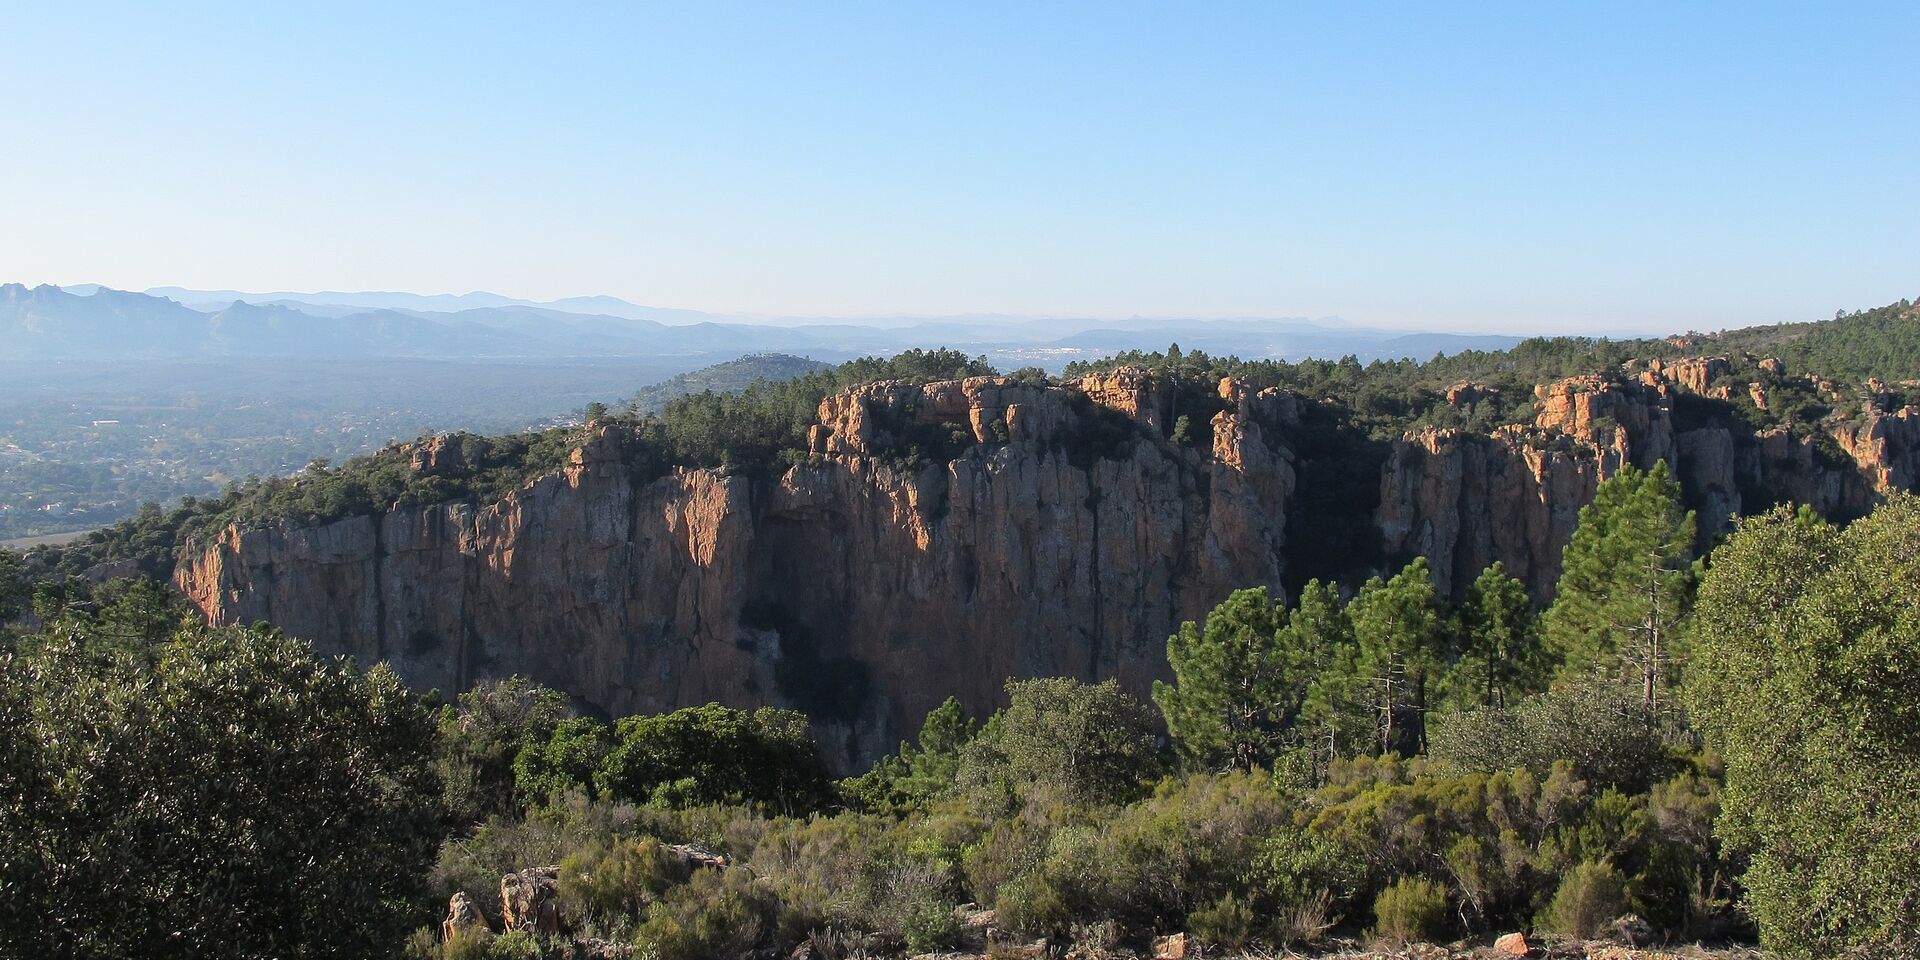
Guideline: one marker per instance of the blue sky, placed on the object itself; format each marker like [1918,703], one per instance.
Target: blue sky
[1526,167]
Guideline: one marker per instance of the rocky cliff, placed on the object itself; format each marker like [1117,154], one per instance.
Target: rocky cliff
[1068,537]
[1464,500]
[1055,530]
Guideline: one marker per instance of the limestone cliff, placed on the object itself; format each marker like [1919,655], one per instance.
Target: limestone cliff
[940,538]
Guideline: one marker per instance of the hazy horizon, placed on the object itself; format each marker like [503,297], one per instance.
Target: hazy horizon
[1506,169]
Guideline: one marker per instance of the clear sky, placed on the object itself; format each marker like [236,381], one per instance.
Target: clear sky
[1528,167]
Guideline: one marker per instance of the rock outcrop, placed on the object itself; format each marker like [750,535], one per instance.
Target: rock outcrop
[940,538]
[1065,537]
[463,917]
[1464,500]
[530,900]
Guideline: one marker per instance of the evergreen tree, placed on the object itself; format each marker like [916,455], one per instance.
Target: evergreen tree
[1625,584]
[1236,688]
[1081,742]
[1396,627]
[920,771]
[232,796]
[1333,720]
[1807,645]
[1497,644]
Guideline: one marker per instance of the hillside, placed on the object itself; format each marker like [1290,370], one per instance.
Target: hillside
[733,376]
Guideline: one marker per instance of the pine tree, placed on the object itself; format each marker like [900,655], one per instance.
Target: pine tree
[1625,585]
[1396,626]
[1236,689]
[1333,719]
[1497,644]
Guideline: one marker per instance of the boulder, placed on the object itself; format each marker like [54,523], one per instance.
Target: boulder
[1170,947]
[693,857]
[1513,945]
[1633,931]
[462,914]
[529,900]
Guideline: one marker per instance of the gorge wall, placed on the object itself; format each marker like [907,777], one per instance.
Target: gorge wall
[1072,530]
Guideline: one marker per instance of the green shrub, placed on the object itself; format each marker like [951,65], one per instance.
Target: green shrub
[1590,898]
[1227,922]
[1082,742]
[1803,678]
[1413,909]
[514,945]
[930,926]
[718,913]
[613,881]
[234,795]
[1598,727]
[717,755]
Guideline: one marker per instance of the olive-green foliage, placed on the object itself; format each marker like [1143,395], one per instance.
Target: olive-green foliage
[121,619]
[611,879]
[1591,896]
[1803,677]
[473,864]
[1501,841]
[566,760]
[920,772]
[931,927]
[233,797]
[1194,844]
[1411,909]
[479,737]
[1228,922]
[1084,742]
[718,913]
[1596,726]
[1237,686]
[1625,585]
[854,872]
[715,754]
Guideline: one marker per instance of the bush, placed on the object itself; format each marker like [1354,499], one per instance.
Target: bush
[718,913]
[717,755]
[1803,678]
[479,737]
[930,927]
[1085,742]
[514,945]
[1590,898]
[1598,727]
[235,797]
[609,882]
[1228,922]
[1412,909]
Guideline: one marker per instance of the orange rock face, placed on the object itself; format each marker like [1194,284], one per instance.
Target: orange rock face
[1465,500]
[1060,531]
[854,588]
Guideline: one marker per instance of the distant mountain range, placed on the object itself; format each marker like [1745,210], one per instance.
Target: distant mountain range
[90,322]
